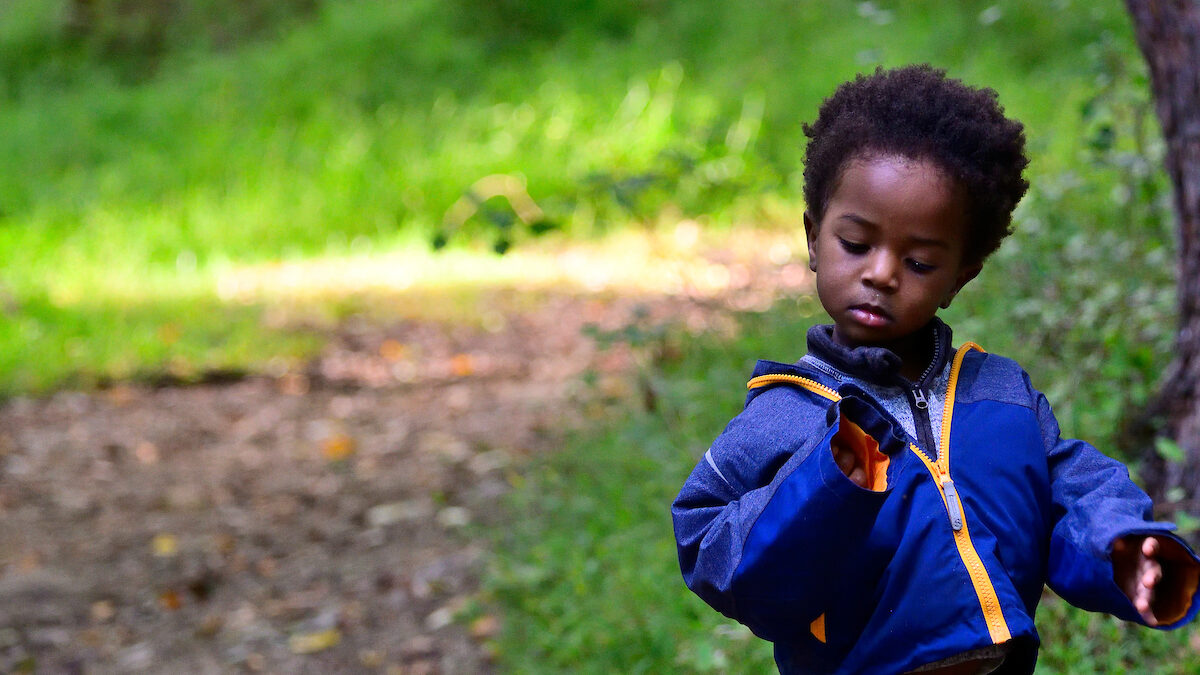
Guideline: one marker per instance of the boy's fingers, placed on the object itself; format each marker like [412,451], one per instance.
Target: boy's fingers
[1150,572]
[1143,597]
[1150,546]
[1142,604]
[844,460]
[858,477]
[1147,613]
[1152,575]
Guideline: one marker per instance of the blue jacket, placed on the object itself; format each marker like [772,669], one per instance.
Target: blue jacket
[948,549]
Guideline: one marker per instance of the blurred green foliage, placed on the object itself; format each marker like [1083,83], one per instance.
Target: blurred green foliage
[174,139]
[517,25]
[58,42]
[1085,288]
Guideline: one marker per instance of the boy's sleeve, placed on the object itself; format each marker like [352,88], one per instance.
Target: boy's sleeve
[766,516]
[1095,504]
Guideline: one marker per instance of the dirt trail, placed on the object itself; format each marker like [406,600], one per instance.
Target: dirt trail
[325,520]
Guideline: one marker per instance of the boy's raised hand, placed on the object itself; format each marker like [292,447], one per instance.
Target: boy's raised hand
[1157,575]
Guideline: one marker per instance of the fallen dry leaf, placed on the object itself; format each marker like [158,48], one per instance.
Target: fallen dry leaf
[337,447]
[164,545]
[485,627]
[102,610]
[121,395]
[146,452]
[392,350]
[462,365]
[170,600]
[309,643]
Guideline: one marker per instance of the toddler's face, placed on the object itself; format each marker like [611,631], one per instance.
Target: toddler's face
[889,250]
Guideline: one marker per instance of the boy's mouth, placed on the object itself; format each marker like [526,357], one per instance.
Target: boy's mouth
[870,315]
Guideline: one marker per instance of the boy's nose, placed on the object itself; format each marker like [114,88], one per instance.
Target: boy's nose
[881,272]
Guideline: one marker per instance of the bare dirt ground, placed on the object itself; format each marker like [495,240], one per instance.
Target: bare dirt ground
[325,519]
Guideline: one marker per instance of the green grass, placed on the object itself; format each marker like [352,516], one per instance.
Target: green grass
[187,338]
[236,133]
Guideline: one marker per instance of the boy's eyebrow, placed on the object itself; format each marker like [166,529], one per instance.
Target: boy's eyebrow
[866,222]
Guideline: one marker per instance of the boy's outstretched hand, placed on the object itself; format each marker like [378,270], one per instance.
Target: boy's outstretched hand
[1157,575]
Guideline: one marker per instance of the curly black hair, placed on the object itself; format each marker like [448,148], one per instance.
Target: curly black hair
[918,112]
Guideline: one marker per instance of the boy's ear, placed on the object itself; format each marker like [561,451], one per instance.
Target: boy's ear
[966,274]
[810,232]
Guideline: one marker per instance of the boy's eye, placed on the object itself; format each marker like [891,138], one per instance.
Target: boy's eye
[853,246]
[920,267]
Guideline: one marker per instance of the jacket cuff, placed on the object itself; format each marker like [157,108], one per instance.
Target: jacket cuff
[1098,590]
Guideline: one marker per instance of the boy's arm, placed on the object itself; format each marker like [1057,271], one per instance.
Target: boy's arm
[1101,521]
[767,514]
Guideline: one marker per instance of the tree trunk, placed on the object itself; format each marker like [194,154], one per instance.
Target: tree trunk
[1168,33]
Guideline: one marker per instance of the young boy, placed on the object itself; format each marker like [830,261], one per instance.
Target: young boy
[889,504]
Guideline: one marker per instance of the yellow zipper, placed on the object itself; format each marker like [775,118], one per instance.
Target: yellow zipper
[989,603]
[940,470]
[811,385]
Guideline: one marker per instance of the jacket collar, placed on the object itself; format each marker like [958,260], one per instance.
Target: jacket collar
[879,364]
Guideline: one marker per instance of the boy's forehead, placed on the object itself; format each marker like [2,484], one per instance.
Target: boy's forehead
[891,191]
[880,172]
[894,163]
[867,156]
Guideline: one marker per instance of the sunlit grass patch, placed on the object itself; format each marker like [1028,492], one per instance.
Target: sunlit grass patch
[95,324]
[671,259]
[46,344]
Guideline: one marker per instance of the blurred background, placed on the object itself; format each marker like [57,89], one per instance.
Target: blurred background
[476,282]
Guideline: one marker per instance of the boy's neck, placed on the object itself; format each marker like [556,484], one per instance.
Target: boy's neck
[915,351]
[908,358]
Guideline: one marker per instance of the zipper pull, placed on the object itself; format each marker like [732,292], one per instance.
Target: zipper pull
[953,504]
[919,399]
